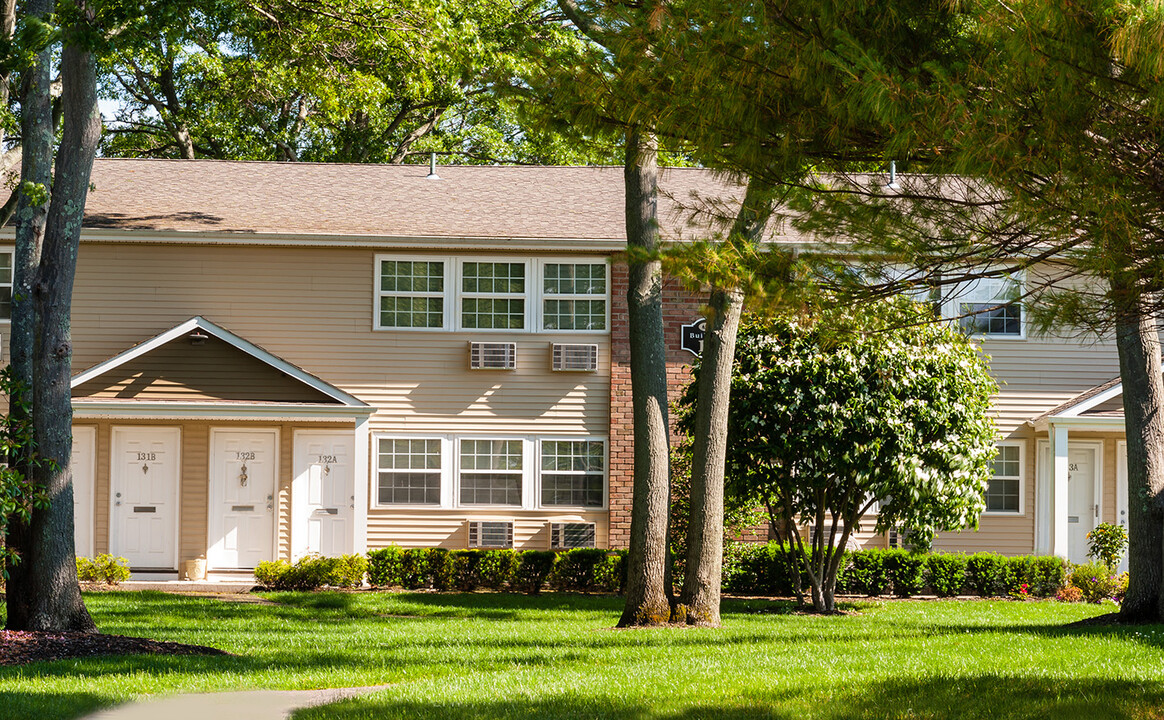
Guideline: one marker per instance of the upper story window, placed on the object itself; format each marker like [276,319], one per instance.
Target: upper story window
[6,270]
[491,472]
[412,294]
[470,293]
[492,295]
[1004,491]
[988,306]
[573,296]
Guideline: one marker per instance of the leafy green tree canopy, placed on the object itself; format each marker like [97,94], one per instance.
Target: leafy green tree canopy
[858,413]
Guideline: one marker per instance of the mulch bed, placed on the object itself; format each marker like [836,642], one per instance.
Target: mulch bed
[19,647]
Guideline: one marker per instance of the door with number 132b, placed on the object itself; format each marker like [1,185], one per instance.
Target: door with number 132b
[242,498]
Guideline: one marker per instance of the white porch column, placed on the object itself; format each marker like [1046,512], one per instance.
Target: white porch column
[362,474]
[1058,486]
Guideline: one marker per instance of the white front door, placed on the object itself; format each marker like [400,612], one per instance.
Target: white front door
[1082,503]
[242,498]
[323,494]
[144,492]
[84,467]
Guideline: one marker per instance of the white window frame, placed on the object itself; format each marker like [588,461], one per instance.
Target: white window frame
[963,292]
[526,297]
[542,295]
[533,298]
[445,473]
[537,480]
[11,284]
[378,292]
[1022,481]
[528,456]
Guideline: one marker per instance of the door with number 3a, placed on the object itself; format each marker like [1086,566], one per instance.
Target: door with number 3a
[323,494]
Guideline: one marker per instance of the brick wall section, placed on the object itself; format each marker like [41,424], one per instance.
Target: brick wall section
[680,307]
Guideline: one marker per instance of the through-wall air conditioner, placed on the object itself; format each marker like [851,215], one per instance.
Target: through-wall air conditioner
[492,356]
[564,536]
[490,534]
[574,357]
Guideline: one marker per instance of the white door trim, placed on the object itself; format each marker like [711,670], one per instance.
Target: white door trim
[214,501]
[175,495]
[91,490]
[1121,479]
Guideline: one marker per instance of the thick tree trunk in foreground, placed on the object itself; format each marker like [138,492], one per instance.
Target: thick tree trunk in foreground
[46,595]
[699,600]
[1139,349]
[646,597]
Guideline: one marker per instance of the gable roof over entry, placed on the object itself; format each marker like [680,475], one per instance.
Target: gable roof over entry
[1102,405]
[199,363]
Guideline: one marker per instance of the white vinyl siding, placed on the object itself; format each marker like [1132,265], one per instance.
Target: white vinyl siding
[574,296]
[1004,491]
[573,473]
[411,294]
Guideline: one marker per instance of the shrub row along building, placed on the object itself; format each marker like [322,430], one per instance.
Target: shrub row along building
[277,359]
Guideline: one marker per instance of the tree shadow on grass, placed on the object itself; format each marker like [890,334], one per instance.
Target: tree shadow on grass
[23,706]
[956,698]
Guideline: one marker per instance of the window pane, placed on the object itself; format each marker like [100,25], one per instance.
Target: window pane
[1002,495]
[493,313]
[573,472]
[493,278]
[575,279]
[574,314]
[412,276]
[412,312]
[987,318]
[409,471]
[576,490]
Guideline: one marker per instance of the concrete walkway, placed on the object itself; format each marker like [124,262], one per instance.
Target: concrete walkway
[245,705]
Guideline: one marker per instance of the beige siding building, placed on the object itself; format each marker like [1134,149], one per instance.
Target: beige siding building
[278,359]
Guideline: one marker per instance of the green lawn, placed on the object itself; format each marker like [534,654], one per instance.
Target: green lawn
[507,656]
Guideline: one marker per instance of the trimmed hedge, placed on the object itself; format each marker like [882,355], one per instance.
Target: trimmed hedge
[313,572]
[103,569]
[529,571]
[759,569]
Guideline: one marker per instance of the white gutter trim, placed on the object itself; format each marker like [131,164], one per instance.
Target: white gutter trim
[92,409]
[201,323]
[1081,424]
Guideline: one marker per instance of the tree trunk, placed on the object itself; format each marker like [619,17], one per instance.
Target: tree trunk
[1138,343]
[31,212]
[699,601]
[646,598]
[48,596]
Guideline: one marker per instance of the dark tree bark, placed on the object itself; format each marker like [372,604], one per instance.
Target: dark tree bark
[699,600]
[646,597]
[45,595]
[1138,343]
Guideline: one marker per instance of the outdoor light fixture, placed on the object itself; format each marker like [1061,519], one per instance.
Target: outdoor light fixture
[197,337]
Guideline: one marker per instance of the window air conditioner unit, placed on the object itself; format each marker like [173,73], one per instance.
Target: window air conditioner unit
[574,358]
[492,356]
[564,536]
[490,534]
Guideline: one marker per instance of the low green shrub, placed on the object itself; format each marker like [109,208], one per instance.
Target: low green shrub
[761,569]
[1093,581]
[441,569]
[1048,574]
[312,572]
[946,574]
[865,573]
[103,568]
[610,574]
[386,567]
[414,568]
[497,568]
[576,569]
[906,571]
[988,574]
[465,569]
[533,569]
[1106,544]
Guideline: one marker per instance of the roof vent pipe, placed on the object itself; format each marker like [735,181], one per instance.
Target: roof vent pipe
[432,167]
[893,176]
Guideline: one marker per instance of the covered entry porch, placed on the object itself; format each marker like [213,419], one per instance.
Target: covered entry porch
[198,445]
[1081,471]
